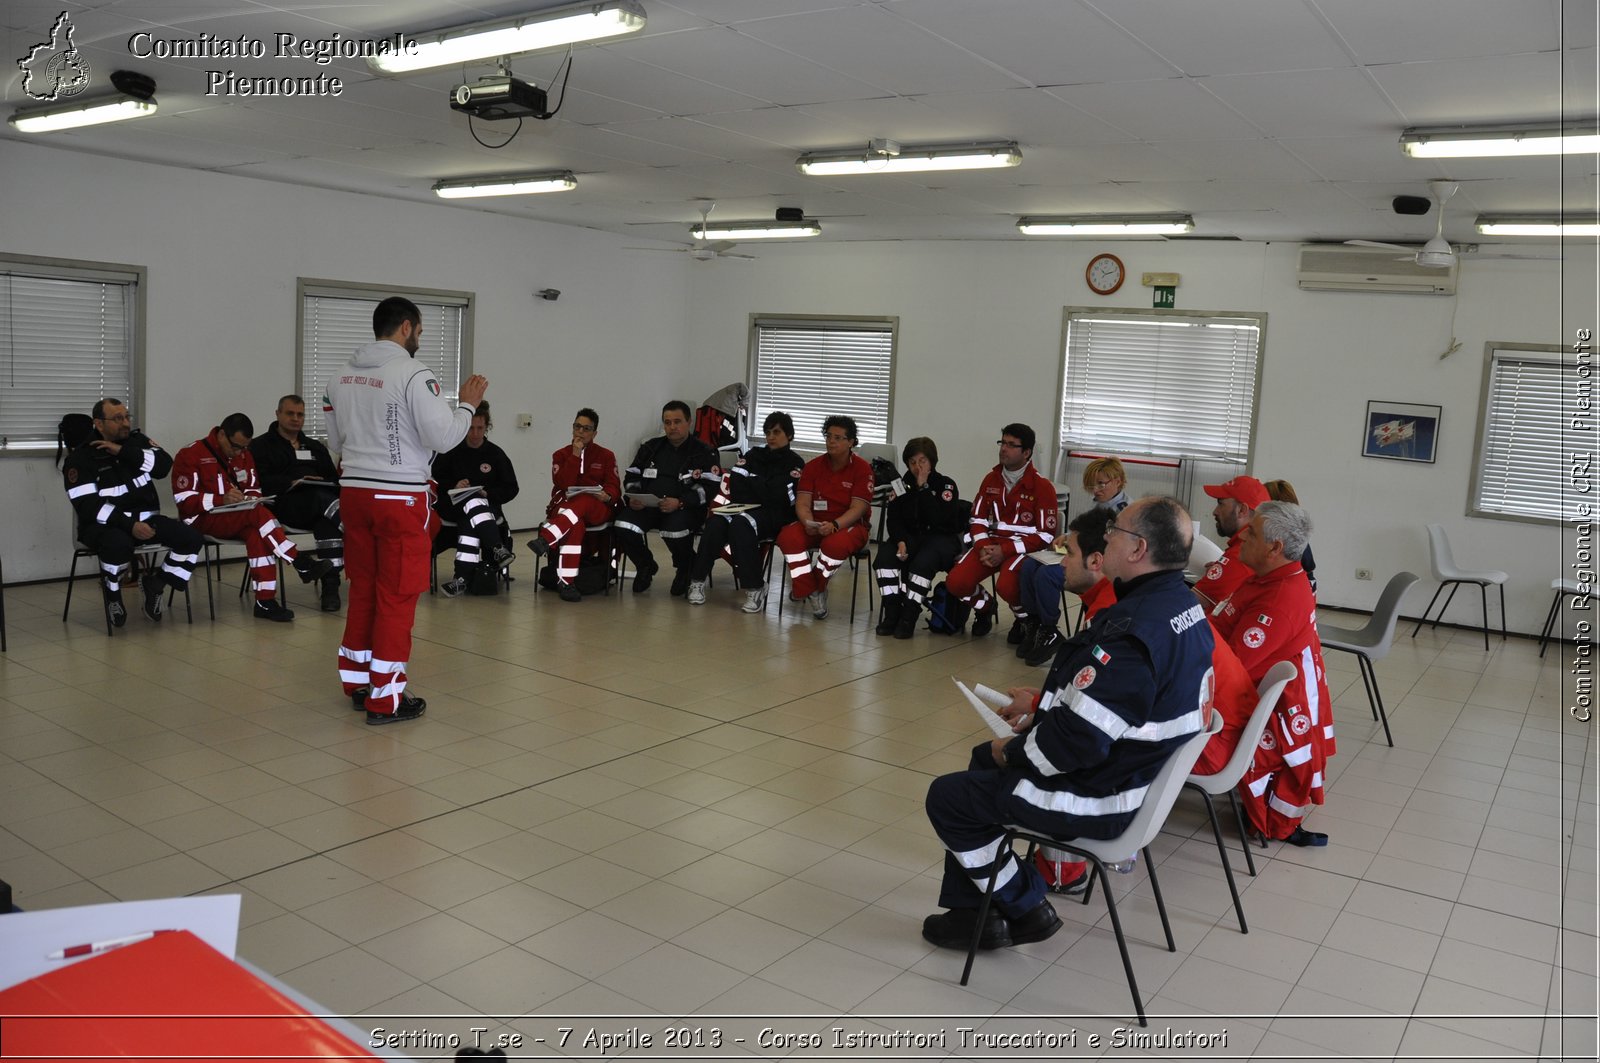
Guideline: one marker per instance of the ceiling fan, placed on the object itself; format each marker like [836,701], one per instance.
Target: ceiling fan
[1436,253]
[703,250]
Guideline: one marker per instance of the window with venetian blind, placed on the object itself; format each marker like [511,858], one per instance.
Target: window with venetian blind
[1524,469]
[1160,383]
[336,319]
[814,367]
[70,335]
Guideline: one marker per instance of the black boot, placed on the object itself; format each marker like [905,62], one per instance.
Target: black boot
[1024,638]
[908,620]
[891,614]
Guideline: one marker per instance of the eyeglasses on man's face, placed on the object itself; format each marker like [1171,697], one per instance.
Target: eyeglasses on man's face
[1115,527]
[579,426]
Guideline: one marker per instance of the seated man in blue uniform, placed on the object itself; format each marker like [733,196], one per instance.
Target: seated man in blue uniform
[1113,708]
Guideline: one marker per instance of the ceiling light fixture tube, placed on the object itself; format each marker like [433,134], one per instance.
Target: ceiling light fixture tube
[755,230]
[1107,225]
[509,184]
[888,157]
[1538,225]
[1501,141]
[78,113]
[555,28]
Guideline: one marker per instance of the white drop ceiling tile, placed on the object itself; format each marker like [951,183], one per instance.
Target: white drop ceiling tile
[1360,158]
[1029,116]
[593,108]
[734,180]
[873,45]
[599,141]
[740,63]
[1381,31]
[285,122]
[1101,162]
[126,141]
[1099,198]
[1046,42]
[895,117]
[1157,110]
[1233,160]
[794,127]
[606,71]
[734,11]
[1326,103]
[1229,36]
[710,141]
[1481,91]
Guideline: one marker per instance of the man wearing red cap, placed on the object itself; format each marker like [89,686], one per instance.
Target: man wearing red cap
[1237,502]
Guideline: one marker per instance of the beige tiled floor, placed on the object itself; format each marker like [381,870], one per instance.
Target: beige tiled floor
[632,807]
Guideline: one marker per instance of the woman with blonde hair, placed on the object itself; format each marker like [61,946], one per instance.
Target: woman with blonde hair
[1283,491]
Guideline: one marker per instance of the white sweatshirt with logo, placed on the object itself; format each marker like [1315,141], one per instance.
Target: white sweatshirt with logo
[386,419]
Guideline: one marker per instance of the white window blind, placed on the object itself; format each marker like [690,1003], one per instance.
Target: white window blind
[1161,384]
[1522,465]
[336,321]
[811,369]
[66,341]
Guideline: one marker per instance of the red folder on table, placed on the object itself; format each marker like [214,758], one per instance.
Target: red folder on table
[169,997]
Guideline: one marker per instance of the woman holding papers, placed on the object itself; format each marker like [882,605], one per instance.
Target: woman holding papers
[475,481]
[583,497]
[757,498]
[926,521]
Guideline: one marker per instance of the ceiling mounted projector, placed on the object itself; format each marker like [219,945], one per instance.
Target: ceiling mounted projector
[496,98]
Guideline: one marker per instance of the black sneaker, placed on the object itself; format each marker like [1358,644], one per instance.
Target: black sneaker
[358,696]
[538,547]
[1044,648]
[646,573]
[1021,632]
[569,593]
[273,610]
[409,709]
[312,569]
[907,626]
[953,929]
[1035,925]
[983,621]
[454,588]
[155,586]
[503,558]
[680,583]
[116,612]
[330,593]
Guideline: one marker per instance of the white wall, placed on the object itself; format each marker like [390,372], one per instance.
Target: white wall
[980,330]
[223,255]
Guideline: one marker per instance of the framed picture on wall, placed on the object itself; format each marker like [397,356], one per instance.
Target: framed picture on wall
[1401,431]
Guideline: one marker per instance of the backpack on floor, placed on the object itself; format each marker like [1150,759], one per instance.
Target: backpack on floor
[947,614]
[594,575]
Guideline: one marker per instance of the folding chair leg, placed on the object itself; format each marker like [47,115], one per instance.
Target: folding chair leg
[1227,865]
[1370,676]
[1424,618]
[1483,593]
[983,911]
[72,577]
[1161,906]
[1244,834]
[1445,608]
[1502,587]
[1097,868]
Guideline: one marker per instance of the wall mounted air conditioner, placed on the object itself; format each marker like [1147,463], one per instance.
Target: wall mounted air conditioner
[1342,268]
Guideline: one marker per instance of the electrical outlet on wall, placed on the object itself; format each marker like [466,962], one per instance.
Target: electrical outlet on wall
[1363,573]
[524,420]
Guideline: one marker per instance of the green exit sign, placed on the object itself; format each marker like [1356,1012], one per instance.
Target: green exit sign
[1165,298]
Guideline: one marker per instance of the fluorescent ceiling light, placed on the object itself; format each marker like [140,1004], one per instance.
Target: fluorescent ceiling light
[1107,225]
[1538,225]
[1500,141]
[134,99]
[885,156]
[755,230]
[555,28]
[509,184]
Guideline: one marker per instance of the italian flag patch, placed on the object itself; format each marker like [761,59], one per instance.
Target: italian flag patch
[1100,655]
[433,386]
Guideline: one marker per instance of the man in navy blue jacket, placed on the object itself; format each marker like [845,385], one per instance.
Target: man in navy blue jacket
[1087,747]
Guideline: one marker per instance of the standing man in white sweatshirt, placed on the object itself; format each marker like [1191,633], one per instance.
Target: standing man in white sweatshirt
[386,419]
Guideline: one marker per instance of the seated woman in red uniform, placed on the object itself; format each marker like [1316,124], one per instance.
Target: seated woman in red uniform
[834,504]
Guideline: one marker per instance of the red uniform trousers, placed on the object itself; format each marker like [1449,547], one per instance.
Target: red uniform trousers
[832,551]
[574,518]
[264,542]
[965,580]
[388,547]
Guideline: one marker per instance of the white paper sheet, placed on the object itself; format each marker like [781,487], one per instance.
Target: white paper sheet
[28,938]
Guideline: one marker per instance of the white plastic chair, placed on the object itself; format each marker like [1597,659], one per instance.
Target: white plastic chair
[1226,779]
[1448,575]
[1373,642]
[1146,824]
